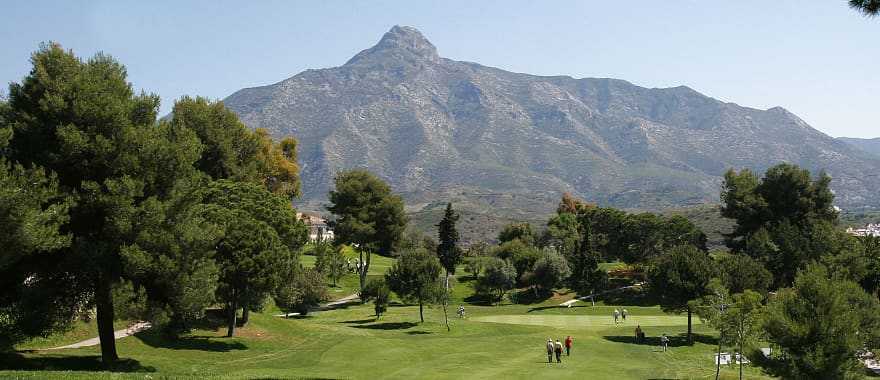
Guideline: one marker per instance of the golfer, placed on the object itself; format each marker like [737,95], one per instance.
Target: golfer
[568,341]
[558,351]
[616,315]
[550,348]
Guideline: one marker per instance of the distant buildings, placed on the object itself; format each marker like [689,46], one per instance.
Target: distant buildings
[872,229]
[318,228]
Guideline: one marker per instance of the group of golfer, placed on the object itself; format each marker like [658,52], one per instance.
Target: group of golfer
[556,348]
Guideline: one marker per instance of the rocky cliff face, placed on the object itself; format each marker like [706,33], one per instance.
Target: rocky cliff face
[870,146]
[441,130]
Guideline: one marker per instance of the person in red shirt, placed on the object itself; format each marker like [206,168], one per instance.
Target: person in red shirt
[568,346]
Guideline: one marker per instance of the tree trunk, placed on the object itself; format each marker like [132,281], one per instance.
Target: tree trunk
[718,359]
[245,315]
[690,337]
[421,311]
[233,310]
[362,276]
[104,304]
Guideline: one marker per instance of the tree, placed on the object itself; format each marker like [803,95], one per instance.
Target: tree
[448,251]
[32,214]
[549,272]
[300,290]
[378,291]
[83,122]
[586,276]
[739,273]
[869,8]
[475,257]
[261,235]
[821,323]
[415,276]
[785,219]
[743,321]
[498,277]
[562,233]
[712,308]
[517,231]
[522,256]
[330,261]
[679,276]
[369,216]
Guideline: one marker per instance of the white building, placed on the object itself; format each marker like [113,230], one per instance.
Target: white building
[318,228]
[872,229]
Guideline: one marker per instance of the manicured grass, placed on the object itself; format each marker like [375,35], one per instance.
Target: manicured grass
[499,342]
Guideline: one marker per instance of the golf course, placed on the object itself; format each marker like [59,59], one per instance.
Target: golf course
[492,341]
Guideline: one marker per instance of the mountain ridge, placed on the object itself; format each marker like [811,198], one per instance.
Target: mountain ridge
[488,139]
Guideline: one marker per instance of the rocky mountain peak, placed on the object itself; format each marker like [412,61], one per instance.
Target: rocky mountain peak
[401,42]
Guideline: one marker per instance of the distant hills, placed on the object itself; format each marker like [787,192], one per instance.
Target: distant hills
[508,144]
[871,146]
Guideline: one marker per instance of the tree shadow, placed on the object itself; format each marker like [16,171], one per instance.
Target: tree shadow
[478,300]
[388,326]
[201,343]
[359,321]
[629,297]
[418,332]
[674,340]
[529,296]
[541,308]
[49,362]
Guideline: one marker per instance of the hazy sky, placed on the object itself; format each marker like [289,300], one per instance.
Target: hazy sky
[817,58]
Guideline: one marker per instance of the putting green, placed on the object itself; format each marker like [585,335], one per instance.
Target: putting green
[586,321]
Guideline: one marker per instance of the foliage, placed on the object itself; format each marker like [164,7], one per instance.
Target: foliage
[739,273]
[83,122]
[416,277]
[300,290]
[520,254]
[821,323]
[679,276]
[330,262]
[448,251]
[785,219]
[369,216]
[867,7]
[586,276]
[378,291]
[549,272]
[517,231]
[498,277]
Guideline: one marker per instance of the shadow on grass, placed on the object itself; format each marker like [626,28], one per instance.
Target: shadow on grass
[388,326]
[201,343]
[530,296]
[674,340]
[541,308]
[360,321]
[49,362]
[418,332]
[629,297]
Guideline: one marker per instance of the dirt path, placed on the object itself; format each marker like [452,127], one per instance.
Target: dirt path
[327,306]
[119,334]
[588,297]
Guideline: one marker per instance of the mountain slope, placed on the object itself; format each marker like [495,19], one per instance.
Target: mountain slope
[870,146]
[489,139]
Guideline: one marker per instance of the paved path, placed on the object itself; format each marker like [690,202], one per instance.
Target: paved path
[584,298]
[119,334]
[327,306]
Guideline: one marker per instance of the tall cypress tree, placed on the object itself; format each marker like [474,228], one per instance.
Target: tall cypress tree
[448,251]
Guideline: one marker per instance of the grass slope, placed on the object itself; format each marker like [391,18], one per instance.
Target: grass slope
[503,341]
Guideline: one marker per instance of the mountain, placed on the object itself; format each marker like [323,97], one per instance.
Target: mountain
[508,144]
[870,146]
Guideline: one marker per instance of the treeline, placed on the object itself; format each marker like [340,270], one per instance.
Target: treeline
[103,207]
[791,276]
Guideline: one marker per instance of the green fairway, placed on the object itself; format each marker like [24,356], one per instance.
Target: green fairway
[586,321]
[492,342]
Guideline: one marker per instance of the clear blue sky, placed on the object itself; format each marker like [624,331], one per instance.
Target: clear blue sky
[817,58]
